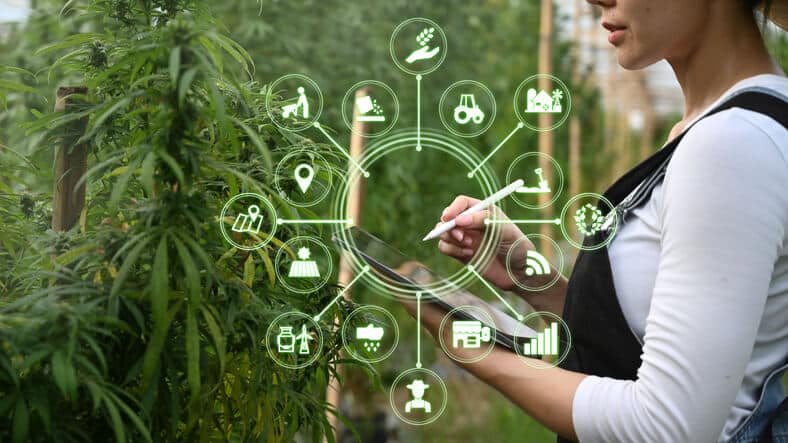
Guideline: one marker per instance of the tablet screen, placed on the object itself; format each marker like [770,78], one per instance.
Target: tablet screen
[390,264]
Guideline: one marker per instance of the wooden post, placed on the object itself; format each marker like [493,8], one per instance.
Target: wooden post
[574,178]
[354,210]
[546,119]
[70,165]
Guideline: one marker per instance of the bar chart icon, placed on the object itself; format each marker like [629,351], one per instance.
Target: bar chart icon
[545,343]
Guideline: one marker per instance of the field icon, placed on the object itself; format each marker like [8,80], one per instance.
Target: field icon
[536,264]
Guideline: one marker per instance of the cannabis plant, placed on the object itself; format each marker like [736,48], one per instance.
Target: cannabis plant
[141,323]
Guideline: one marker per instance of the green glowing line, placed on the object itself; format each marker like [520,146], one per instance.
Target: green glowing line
[488,221]
[341,149]
[281,221]
[418,112]
[342,292]
[418,329]
[516,128]
[503,300]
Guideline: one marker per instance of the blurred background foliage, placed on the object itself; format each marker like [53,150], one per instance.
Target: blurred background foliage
[103,344]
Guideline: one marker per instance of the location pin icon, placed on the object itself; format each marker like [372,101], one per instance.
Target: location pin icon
[254,211]
[304,180]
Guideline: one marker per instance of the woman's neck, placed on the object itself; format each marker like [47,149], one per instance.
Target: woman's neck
[730,50]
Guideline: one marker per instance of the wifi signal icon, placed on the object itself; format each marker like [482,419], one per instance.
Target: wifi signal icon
[536,264]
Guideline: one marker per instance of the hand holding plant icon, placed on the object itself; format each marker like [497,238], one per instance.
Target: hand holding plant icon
[424,52]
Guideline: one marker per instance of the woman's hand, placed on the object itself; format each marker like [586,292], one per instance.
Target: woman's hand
[463,241]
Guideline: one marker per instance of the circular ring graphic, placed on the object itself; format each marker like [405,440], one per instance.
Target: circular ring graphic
[352,90]
[305,182]
[589,221]
[427,373]
[370,335]
[303,268]
[536,177]
[248,223]
[469,333]
[470,111]
[430,139]
[292,341]
[565,111]
[293,108]
[535,264]
[547,343]
[425,45]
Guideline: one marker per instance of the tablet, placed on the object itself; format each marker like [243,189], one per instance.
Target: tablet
[391,265]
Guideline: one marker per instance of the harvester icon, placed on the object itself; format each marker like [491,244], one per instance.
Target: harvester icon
[468,110]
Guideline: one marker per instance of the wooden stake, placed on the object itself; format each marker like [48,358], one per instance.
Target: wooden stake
[546,119]
[70,165]
[354,210]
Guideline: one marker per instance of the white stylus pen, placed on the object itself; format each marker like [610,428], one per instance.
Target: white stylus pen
[484,204]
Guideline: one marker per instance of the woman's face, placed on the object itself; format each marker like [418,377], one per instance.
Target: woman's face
[647,31]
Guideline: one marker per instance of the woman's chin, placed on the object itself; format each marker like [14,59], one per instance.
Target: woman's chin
[632,60]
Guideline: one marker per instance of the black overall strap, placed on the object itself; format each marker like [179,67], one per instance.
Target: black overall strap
[751,100]
[602,342]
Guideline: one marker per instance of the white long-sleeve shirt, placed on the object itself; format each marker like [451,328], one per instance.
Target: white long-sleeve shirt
[701,274]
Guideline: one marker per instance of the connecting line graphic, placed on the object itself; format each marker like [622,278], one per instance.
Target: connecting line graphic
[519,126]
[342,292]
[418,112]
[341,149]
[418,329]
[503,300]
[282,221]
[489,221]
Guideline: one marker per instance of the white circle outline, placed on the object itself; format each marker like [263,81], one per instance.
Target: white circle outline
[612,231]
[489,94]
[385,355]
[316,200]
[266,203]
[514,278]
[556,166]
[564,353]
[428,22]
[405,139]
[443,403]
[324,279]
[311,359]
[307,123]
[523,119]
[355,88]
[491,323]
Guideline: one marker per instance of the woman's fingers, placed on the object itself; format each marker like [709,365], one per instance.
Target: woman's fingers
[453,250]
[459,204]
[472,221]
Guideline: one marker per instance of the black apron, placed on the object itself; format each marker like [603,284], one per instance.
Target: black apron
[602,342]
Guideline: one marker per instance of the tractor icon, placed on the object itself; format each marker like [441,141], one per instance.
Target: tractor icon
[468,110]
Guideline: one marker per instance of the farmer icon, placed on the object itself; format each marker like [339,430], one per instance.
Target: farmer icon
[301,105]
[249,222]
[417,388]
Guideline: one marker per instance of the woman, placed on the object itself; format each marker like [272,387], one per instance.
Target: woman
[680,325]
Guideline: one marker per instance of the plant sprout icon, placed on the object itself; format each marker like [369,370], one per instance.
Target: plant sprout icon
[424,52]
